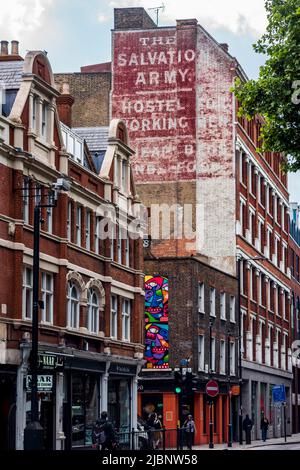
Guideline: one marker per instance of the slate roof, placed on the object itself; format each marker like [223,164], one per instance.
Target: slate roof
[95,137]
[11,74]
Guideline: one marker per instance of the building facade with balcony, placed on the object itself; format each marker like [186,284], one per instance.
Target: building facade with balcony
[91,265]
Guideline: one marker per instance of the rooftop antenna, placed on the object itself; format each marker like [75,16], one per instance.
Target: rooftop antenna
[162,8]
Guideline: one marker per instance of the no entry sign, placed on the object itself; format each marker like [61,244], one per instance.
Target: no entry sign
[212,388]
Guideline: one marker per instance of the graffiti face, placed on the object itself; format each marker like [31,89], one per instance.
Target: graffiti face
[156,323]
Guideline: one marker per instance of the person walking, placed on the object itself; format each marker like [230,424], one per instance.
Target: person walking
[247,427]
[103,433]
[190,431]
[264,426]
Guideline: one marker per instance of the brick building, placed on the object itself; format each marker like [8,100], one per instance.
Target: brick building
[171,85]
[91,286]
[200,298]
[294,260]
[91,92]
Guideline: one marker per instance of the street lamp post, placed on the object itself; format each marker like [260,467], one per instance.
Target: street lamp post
[33,433]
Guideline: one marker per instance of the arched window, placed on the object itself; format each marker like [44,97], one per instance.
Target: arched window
[73,305]
[93,311]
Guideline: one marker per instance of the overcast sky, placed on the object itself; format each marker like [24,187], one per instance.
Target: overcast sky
[78,32]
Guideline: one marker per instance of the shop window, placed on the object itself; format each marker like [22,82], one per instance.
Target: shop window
[119,404]
[85,407]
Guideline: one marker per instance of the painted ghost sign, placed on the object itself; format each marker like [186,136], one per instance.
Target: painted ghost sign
[154,93]
[156,323]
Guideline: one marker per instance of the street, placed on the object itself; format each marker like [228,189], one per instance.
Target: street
[287,446]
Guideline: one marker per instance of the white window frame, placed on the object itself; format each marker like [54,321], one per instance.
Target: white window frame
[69,221]
[27,294]
[73,313]
[78,224]
[201,352]
[114,316]
[201,297]
[93,311]
[96,235]
[222,357]
[119,245]
[26,200]
[213,354]
[34,113]
[232,357]
[49,213]
[223,305]
[44,120]
[232,308]
[112,244]
[88,230]
[124,175]
[126,319]
[127,250]
[212,301]
[47,297]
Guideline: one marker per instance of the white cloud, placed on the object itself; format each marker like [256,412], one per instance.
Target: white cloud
[19,17]
[238,16]
[102,18]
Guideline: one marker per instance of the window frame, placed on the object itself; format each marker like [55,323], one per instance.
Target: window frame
[47,293]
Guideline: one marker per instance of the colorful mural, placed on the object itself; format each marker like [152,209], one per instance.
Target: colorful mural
[156,322]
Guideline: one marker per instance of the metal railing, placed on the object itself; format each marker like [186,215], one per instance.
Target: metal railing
[154,439]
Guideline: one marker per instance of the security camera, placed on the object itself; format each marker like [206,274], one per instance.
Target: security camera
[62,184]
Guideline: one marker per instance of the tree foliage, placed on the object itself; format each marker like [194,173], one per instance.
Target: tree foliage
[276,93]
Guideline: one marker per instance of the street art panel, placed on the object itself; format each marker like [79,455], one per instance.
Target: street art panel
[156,322]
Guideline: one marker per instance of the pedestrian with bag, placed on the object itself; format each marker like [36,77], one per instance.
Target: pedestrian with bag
[103,434]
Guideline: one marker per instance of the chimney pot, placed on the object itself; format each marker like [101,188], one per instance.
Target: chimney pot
[4,47]
[15,47]
[224,46]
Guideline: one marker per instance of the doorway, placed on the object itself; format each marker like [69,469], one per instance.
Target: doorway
[7,411]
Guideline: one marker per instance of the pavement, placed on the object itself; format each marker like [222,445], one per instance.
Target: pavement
[270,444]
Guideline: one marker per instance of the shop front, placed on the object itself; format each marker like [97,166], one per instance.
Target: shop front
[122,396]
[81,400]
[8,378]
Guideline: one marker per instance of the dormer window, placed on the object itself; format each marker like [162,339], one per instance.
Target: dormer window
[34,107]
[44,120]
[124,176]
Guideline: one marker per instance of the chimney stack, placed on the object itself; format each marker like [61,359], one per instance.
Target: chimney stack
[13,55]
[224,46]
[14,47]
[64,105]
[4,47]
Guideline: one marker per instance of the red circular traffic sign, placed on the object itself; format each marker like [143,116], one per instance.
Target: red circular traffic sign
[212,388]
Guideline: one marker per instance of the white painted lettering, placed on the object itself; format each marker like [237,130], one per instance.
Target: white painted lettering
[183,74]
